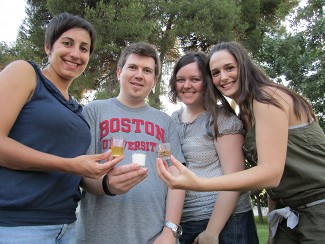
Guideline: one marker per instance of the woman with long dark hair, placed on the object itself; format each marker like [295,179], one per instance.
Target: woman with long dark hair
[283,141]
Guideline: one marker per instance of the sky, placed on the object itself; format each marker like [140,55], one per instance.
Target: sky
[12,13]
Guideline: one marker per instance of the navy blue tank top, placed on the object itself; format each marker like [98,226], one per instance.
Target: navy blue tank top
[51,124]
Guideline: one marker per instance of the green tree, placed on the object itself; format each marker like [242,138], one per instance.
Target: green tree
[298,57]
[172,26]
[7,54]
[30,40]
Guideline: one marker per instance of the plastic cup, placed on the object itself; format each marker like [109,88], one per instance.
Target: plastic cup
[164,151]
[139,158]
[117,146]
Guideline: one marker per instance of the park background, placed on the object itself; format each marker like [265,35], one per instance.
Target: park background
[285,37]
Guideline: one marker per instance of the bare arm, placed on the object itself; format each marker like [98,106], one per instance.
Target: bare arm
[271,139]
[174,208]
[226,200]
[17,84]
[15,90]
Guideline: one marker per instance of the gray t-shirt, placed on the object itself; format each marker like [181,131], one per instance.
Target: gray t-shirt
[201,157]
[138,215]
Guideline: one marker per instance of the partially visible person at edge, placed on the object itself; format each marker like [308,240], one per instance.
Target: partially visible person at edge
[284,142]
[131,204]
[209,217]
[42,137]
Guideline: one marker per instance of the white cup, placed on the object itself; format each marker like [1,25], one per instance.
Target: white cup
[139,158]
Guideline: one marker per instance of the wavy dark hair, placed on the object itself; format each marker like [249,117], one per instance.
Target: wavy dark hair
[252,81]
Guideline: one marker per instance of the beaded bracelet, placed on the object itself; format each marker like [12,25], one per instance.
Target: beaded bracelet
[105,187]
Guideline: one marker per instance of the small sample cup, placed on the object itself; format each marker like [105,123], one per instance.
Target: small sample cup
[164,151]
[117,146]
[139,158]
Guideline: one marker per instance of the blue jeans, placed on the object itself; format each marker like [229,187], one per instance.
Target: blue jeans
[45,234]
[239,229]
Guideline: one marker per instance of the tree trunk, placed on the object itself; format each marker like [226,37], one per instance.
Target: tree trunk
[259,209]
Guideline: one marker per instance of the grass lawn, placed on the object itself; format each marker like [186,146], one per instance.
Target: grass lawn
[262,230]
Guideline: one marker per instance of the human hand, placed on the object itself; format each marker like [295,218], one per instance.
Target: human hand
[166,237]
[90,166]
[206,237]
[185,180]
[121,179]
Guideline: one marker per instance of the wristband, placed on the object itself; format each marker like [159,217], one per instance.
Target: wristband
[105,187]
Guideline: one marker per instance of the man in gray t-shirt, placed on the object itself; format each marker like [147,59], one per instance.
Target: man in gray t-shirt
[143,203]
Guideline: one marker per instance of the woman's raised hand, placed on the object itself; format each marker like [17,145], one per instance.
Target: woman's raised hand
[185,179]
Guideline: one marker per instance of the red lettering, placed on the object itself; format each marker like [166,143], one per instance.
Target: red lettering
[138,123]
[143,146]
[137,145]
[103,128]
[129,145]
[153,145]
[150,128]
[115,125]
[125,125]
[105,144]
[160,133]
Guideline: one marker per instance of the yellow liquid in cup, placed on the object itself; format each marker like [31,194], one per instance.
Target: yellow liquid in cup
[117,151]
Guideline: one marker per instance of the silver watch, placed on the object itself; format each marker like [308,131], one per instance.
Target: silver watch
[176,229]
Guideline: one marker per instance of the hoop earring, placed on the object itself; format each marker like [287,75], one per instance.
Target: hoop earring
[45,62]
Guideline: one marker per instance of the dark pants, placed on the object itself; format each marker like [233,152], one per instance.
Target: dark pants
[310,229]
[239,229]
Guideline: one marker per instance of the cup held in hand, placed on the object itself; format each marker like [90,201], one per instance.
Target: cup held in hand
[164,151]
[139,158]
